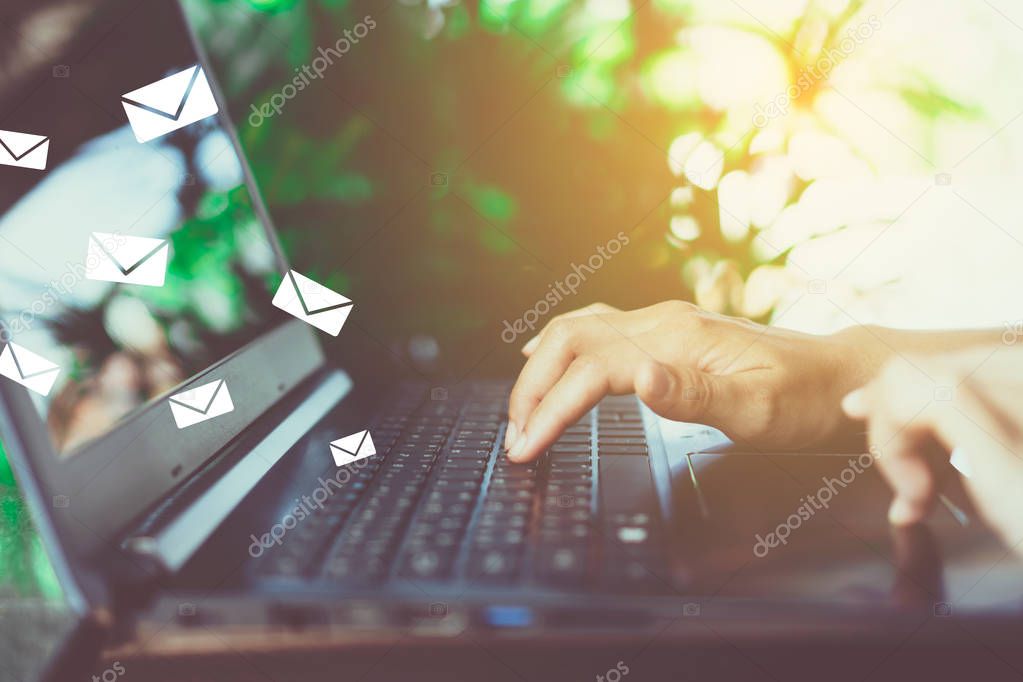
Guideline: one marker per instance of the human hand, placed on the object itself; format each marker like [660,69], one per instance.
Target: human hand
[966,400]
[769,387]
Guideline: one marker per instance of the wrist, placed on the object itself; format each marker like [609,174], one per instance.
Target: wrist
[861,352]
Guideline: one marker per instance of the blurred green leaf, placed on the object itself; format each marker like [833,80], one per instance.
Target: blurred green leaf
[493,203]
[349,187]
[6,473]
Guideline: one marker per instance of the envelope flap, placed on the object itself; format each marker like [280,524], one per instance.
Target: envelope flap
[20,144]
[351,444]
[128,253]
[167,96]
[199,399]
[29,364]
[316,298]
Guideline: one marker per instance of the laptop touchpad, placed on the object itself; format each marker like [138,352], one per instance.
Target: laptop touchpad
[814,526]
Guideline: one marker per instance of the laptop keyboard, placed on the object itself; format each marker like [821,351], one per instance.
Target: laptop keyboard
[440,502]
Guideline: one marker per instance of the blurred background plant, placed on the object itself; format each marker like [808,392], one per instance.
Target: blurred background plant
[754,109]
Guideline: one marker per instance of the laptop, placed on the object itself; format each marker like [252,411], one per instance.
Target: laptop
[203,479]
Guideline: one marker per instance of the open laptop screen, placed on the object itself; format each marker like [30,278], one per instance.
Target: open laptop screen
[131,256]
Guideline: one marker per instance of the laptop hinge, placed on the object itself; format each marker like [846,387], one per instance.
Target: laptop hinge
[172,542]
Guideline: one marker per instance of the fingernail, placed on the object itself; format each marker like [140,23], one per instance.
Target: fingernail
[855,403]
[961,462]
[531,345]
[902,513]
[519,447]
[510,434]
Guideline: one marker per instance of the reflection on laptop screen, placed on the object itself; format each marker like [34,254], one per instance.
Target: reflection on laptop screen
[130,254]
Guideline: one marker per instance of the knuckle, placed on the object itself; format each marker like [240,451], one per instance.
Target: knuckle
[563,332]
[693,321]
[678,307]
[588,364]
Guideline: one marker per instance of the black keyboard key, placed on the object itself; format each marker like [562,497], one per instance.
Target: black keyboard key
[467,453]
[574,439]
[562,566]
[473,444]
[499,537]
[570,447]
[612,442]
[464,464]
[623,450]
[427,564]
[354,568]
[506,507]
[510,495]
[462,475]
[628,486]
[492,520]
[494,564]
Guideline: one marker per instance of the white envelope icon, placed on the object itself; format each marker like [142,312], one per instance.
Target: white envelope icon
[23,150]
[313,303]
[201,404]
[28,369]
[127,260]
[352,448]
[169,104]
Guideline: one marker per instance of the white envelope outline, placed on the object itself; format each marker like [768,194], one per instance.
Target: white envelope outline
[352,448]
[28,369]
[201,404]
[313,303]
[127,260]
[169,104]
[23,150]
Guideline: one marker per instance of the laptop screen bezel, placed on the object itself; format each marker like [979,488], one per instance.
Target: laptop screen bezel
[126,472]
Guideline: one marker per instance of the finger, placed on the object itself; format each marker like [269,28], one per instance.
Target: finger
[982,432]
[994,456]
[581,387]
[561,345]
[897,405]
[679,394]
[899,452]
[688,395]
[588,379]
[592,309]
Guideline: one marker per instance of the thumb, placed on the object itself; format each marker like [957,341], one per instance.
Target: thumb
[685,395]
